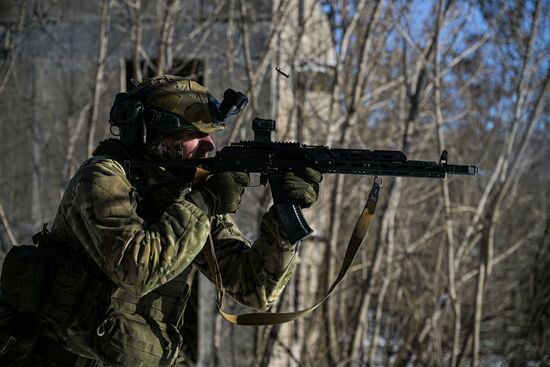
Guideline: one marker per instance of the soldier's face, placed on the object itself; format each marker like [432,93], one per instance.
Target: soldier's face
[195,145]
[185,145]
[188,145]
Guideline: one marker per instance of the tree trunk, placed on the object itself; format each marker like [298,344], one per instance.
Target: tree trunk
[100,73]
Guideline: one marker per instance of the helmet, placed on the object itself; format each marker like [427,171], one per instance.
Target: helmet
[169,105]
[177,104]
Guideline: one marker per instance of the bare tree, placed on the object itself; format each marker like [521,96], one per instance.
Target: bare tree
[454,272]
[99,74]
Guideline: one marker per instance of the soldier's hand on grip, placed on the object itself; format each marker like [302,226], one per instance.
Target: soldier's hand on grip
[220,193]
[303,187]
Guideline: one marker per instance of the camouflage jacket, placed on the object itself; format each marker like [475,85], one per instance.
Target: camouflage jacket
[145,243]
[101,211]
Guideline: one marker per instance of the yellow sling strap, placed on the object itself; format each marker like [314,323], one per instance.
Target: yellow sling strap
[267,318]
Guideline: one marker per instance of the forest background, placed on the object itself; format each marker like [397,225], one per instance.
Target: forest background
[454,272]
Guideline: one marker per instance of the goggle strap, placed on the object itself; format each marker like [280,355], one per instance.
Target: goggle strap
[162,120]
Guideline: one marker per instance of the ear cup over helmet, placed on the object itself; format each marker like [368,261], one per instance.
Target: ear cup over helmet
[127,114]
[125,110]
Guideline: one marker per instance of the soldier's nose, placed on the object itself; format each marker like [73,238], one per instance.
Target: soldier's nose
[207,144]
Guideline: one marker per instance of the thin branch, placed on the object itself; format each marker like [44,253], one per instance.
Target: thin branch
[8,231]
[100,73]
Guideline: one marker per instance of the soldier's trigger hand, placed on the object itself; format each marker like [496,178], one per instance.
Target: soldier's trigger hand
[220,193]
[303,187]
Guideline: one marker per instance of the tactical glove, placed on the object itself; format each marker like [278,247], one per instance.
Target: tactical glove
[220,193]
[303,187]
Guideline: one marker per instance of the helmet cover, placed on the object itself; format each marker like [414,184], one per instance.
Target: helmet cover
[195,108]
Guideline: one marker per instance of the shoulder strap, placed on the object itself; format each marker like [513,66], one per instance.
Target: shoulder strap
[267,318]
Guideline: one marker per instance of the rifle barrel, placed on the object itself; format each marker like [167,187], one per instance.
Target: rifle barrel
[456,169]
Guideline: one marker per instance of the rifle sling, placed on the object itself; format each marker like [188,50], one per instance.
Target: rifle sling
[268,318]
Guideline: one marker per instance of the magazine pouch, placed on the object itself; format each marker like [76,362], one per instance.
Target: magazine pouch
[125,339]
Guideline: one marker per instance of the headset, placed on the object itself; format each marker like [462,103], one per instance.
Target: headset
[132,115]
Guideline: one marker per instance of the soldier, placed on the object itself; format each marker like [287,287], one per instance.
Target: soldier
[113,270]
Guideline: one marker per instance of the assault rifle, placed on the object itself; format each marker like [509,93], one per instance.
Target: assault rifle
[273,159]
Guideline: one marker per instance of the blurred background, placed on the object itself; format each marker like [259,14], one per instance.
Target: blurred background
[454,272]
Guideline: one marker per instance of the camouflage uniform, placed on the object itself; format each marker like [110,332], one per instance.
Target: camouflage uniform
[147,244]
[122,255]
[101,213]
